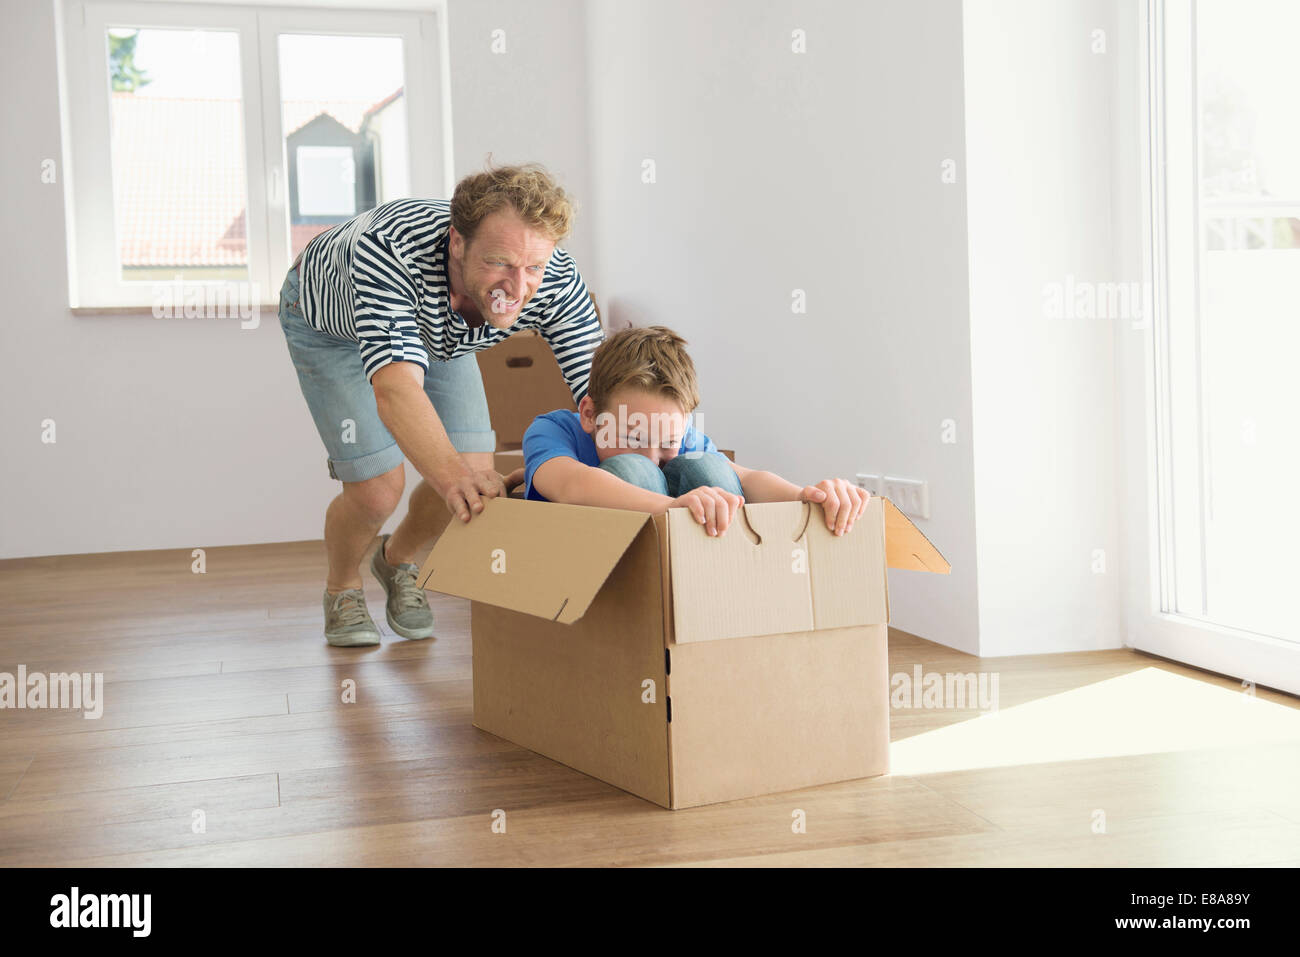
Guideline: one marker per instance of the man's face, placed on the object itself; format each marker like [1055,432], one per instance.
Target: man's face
[502,266]
[637,421]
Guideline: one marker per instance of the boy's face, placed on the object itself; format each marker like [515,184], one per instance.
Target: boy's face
[646,423]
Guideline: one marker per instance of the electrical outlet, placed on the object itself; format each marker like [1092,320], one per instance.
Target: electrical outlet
[867,481]
[912,496]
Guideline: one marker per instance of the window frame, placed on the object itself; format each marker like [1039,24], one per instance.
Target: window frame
[95,285]
[1152,527]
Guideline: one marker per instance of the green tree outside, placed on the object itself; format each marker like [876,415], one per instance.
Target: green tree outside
[125,75]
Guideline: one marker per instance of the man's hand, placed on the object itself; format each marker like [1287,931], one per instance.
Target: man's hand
[465,489]
[713,507]
[841,501]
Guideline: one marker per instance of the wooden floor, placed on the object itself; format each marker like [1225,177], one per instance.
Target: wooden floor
[223,698]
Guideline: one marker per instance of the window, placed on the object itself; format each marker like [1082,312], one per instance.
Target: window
[177,154]
[233,135]
[344,131]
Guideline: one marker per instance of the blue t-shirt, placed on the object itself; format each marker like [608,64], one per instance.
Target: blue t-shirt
[560,433]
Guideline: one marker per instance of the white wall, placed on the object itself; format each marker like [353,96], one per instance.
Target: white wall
[1039,146]
[194,433]
[528,104]
[819,171]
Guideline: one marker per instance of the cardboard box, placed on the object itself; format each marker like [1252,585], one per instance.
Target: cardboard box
[683,668]
[522,381]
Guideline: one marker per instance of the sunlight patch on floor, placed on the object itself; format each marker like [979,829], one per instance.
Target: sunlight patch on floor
[1145,712]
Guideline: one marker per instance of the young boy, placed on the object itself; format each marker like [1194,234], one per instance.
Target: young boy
[631,445]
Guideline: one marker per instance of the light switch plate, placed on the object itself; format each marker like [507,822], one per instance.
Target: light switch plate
[867,481]
[912,496]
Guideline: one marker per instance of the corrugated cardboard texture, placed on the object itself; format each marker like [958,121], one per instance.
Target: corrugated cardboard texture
[759,715]
[540,558]
[574,692]
[731,585]
[780,569]
[848,572]
[522,381]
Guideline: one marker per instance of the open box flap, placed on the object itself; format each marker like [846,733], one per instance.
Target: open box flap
[906,547]
[539,558]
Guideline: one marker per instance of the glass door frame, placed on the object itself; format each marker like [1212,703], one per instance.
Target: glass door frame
[1144,376]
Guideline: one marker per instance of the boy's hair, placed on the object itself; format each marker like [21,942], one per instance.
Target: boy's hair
[528,189]
[652,358]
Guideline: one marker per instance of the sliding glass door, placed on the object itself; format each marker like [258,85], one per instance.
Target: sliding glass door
[1222,384]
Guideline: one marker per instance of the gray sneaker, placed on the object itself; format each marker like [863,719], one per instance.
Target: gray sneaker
[347,621]
[407,607]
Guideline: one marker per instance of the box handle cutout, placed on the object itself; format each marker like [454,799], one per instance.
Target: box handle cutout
[753,536]
[519,362]
[801,526]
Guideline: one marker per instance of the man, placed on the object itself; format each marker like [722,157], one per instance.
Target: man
[382,315]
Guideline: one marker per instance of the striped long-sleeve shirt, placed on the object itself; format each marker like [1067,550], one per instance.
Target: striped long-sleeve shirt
[380,279]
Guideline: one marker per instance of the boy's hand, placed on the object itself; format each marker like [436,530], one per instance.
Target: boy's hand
[841,501]
[713,507]
[514,479]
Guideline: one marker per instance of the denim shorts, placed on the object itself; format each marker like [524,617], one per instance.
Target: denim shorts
[334,383]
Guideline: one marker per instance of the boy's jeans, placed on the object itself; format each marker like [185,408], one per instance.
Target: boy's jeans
[680,474]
